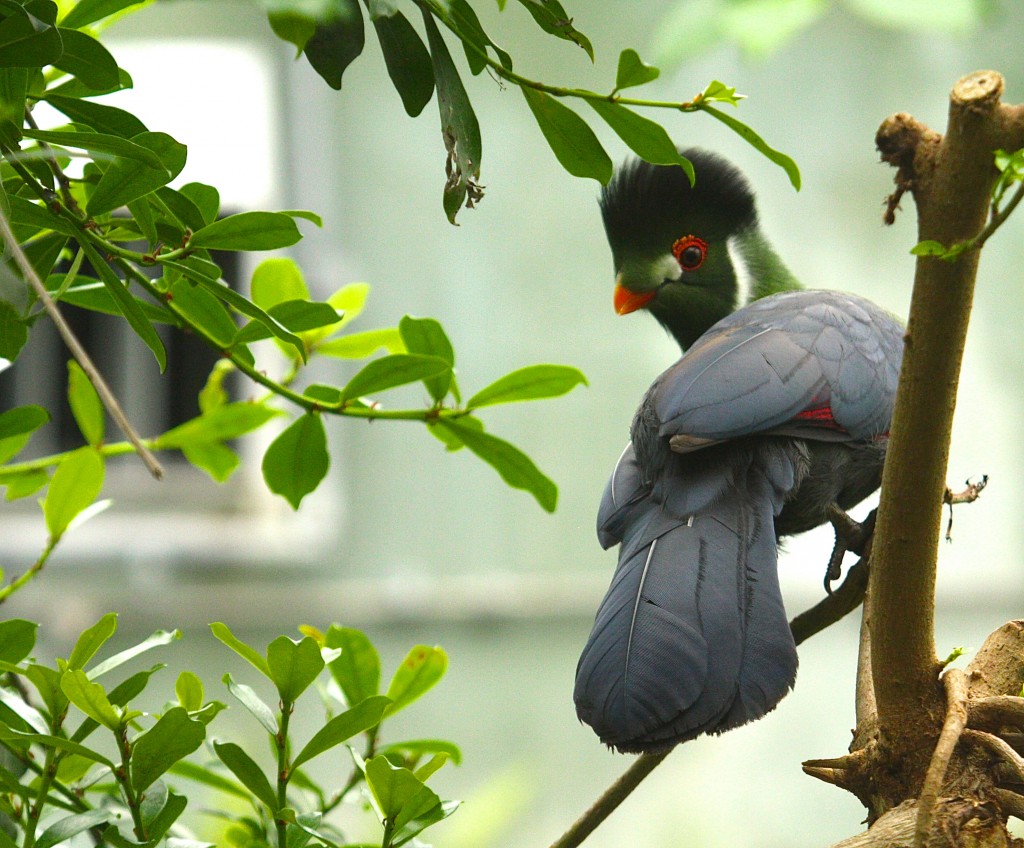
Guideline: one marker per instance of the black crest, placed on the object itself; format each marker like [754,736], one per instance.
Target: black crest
[644,205]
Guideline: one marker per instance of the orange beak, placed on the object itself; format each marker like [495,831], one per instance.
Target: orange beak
[627,301]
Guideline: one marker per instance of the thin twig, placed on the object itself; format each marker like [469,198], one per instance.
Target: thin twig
[612,797]
[968,495]
[956,720]
[77,351]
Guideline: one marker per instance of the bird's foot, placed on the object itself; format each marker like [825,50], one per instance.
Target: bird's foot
[851,535]
[968,495]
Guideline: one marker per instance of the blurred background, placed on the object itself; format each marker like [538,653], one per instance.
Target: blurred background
[417,546]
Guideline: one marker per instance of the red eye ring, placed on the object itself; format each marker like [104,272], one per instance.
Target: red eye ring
[690,252]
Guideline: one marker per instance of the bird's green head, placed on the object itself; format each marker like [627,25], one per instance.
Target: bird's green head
[690,255]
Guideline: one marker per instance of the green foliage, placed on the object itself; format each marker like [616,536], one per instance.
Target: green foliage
[331,35]
[64,782]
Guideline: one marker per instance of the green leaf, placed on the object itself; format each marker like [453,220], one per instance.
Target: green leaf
[298,316]
[13,332]
[216,459]
[397,369]
[90,698]
[69,826]
[362,345]
[277,280]
[460,129]
[530,383]
[189,690]
[23,484]
[570,138]
[172,738]
[84,57]
[59,742]
[248,698]
[718,92]
[357,670]
[327,395]
[406,58]
[393,787]
[206,199]
[91,640]
[218,425]
[102,118]
[205,311]
[248,231]
[208,777]
[293,27]
[133,686]
[929,248]
[336,43]
[47,683]
[154,640]
[17,638]
[17,426]
[758,143]
[184,213]
[343,727]
[128,179]
[419,672]
[28,37]
[552,18]
[224,634]
[164,816]
[293,665]
[245,769]
[127,305]
[431,766]
[297,460]
[86,405]
[240,304]
[426,337]
[633,70]
[75,485]
[419,747]
[515,467]
[86,12]
[645,137]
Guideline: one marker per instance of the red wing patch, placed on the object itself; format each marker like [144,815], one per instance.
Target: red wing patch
[819,415]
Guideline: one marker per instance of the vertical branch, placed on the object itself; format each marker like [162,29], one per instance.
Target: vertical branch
[951,178]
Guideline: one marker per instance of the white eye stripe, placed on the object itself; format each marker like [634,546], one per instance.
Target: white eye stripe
[744,279]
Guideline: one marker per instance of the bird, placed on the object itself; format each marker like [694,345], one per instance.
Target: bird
[776,416]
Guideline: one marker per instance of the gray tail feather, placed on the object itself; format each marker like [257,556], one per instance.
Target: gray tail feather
[692,636]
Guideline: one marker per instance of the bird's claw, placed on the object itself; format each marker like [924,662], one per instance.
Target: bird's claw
[851,535]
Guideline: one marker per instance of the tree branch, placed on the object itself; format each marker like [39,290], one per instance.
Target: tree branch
[951,178]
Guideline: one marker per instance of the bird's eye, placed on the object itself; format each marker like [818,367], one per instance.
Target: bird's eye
[690,252]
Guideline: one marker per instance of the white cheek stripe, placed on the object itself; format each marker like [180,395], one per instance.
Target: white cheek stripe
[744,280]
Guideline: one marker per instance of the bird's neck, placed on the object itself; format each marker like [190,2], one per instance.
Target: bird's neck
[759,272]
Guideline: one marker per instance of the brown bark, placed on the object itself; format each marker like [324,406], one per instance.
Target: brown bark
[934,764]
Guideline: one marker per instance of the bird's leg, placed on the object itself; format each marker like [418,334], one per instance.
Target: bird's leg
[968,495]
[851,535]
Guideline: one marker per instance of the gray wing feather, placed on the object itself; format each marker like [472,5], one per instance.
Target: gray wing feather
[757,369]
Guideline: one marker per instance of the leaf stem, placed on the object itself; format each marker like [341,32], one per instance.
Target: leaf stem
[30,573]
[123,777]
[283,772]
